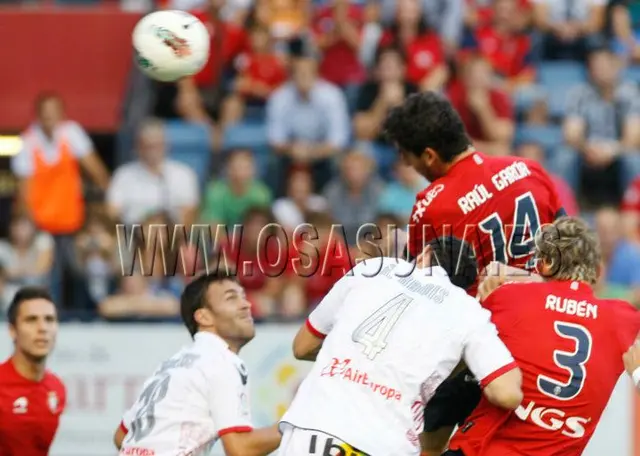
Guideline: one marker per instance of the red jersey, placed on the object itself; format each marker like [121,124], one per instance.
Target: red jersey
[495,203]
[424,54]
[29,412]
[569,346]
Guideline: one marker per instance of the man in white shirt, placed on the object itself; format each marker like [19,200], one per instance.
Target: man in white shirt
[632,362]
[201,394]
[386,337]
[154,183]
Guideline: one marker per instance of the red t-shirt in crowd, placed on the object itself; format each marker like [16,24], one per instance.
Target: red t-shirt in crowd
[29,412]
[265,68]
[569,346]
[484,9]
[500,101]
[340,62]
[424,53]
[509,55]
[233,42]
[320,271]
[631,199]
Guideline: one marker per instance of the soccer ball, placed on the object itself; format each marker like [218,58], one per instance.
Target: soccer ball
[169,45]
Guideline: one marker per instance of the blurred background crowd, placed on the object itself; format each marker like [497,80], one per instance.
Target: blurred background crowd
[283,126]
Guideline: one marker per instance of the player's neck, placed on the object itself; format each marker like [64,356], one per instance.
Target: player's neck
[28,368]
[457,159]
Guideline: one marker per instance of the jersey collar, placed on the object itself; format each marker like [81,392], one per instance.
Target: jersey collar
[211,338]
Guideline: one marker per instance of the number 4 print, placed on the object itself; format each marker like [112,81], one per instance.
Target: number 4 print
[373,332]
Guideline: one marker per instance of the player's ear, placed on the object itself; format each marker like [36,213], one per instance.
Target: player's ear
[204,317]
[12,332]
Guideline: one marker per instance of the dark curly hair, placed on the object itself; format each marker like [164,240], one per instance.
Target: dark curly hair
[427,120]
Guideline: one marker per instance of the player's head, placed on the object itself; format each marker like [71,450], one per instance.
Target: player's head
[568,249]
[456,257]
[428,132]
[33,323]
[217,303]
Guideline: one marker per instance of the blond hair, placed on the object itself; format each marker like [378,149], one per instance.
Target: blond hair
[570,249]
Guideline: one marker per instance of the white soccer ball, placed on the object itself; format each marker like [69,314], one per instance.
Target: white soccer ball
[170,45]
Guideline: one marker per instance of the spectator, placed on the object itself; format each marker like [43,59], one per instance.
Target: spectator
[227,201]
[536,152]
[354,195]
[291,210]
[260,260]
[307,123]
[399,196]
[621,258]
[199,98]
[623,30]
[287,20]
[153,183]
[386,89]
[425,56]
[317,261]
[337,27]
[568,26]
[136,298]
[504,44]
[480,13]
[602,125]
[96,255]
[260,72]
[27,256]
[446,17]
[54,152]
[383,240]
[486,110]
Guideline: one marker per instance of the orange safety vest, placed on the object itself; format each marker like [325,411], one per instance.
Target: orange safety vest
[54,192]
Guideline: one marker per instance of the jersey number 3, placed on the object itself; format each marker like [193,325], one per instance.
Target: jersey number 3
[526,220]
[373,333]
[573,362]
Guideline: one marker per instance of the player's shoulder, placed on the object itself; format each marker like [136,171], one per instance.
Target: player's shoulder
[53,382]
[6,369]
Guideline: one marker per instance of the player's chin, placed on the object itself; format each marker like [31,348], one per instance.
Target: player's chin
[39,353]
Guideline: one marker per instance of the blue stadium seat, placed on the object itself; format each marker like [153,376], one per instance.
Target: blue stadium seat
[190,144]
[548,136]
[632,73]
[558,78]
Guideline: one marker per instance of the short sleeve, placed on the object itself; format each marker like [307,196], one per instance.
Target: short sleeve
[22,162]
[323,317]
[117,191]
[228,400]
[485,354]
[80,142]
[627,325]
[575,103]
[127,419]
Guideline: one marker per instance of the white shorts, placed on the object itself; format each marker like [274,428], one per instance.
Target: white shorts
[306,442]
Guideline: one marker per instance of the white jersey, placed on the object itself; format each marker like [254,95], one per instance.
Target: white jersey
[191,400]
[391,339]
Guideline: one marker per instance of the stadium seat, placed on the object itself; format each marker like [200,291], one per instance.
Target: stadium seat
[558,78]
[190,144]
[548,136]
[632,73]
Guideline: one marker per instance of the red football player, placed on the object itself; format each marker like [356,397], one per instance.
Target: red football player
[495,203]
[569,345]
[31,398]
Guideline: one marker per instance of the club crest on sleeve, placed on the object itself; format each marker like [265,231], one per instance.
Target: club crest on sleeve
[52,401]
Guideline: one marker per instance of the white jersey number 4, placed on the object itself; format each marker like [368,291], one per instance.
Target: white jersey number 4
[374,331]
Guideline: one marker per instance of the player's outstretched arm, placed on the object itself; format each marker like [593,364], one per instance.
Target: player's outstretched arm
[506,390]
[490,360]
[118,437]
[257,442]
[307,343]
[632,362]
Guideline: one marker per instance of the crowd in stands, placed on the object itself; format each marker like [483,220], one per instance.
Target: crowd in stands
[290,108]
